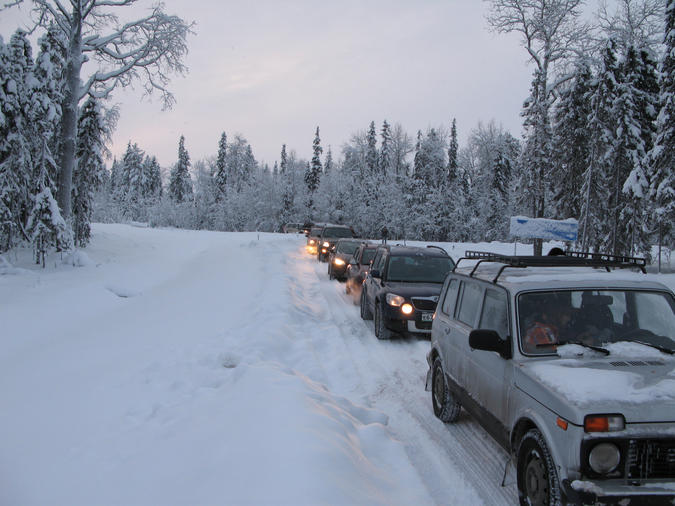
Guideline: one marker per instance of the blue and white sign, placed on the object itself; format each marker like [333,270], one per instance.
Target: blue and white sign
[542,228]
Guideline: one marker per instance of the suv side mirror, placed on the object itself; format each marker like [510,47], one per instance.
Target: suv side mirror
[375,273]
[489,340]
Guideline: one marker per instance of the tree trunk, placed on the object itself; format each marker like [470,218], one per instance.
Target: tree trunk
[69,118]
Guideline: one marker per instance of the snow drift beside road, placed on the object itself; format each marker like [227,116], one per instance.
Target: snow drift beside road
[165,370]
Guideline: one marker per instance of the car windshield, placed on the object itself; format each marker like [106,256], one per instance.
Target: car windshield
[595,318]
[367,256]
[348,248]
[336,232]
[315,232]
[419,268]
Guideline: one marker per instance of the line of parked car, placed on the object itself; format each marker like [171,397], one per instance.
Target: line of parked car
[565,360]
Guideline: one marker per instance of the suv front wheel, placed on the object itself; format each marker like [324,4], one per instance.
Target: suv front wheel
[446,407]
[537,477]
[381,331]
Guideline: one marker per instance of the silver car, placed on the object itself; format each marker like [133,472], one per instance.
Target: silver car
[569,368]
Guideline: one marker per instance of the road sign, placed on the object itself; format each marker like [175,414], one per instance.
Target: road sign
[542,228]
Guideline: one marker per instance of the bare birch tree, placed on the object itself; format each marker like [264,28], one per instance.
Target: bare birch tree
[550,32]
[145,50]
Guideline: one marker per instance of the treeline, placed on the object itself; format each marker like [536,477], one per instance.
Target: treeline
[598,146]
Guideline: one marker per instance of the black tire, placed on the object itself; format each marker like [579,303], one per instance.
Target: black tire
[365,310]
[381,332]
[538,483]
[446,407]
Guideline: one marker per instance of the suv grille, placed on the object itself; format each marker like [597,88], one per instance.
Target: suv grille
[424,304]
[651,458]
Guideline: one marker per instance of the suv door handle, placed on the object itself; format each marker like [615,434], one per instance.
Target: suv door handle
[446,330]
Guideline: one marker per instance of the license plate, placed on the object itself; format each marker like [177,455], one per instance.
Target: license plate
[427,317]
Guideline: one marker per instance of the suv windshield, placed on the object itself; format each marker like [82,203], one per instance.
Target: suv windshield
[419,268]
[347,247]
[595,318]
[330,232]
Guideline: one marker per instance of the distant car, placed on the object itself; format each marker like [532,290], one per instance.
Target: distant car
[329,236]
[357,269]
[570,369]
[291,228]
[313,238]
[401,289]
[341,254]
[306,227]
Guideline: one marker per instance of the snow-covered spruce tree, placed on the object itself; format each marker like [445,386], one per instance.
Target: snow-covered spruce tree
[313,174]
[662,156]
[146,49]
[152,182]
[180,184]
[89,169]
[636,116]
[16,145]
[593,222]
[571,144]
[221,166]
[453,146]
[385,149]
[328,165]
[371,152]
[130,184]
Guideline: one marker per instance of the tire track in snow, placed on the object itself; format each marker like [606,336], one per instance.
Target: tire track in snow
[457,462]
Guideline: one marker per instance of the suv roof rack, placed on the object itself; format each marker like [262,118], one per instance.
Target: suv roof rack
[437,247]
[569,259]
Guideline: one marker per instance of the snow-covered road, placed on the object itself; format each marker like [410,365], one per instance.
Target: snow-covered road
[187,367]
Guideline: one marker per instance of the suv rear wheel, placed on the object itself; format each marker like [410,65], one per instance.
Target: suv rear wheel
[381,332]
[446,407]
[537,478]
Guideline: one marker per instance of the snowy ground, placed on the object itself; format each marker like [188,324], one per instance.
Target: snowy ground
[178,367]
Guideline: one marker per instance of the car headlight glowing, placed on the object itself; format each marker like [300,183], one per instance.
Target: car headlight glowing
[604,458]
[395,300]
[406,308]
[311,241]
[326,244]
[339,261]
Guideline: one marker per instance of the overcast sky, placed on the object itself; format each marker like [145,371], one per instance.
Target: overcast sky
[273,71]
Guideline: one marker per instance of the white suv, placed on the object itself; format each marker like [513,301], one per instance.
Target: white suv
[569,368]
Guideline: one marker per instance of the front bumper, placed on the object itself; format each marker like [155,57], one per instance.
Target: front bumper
[418,322]
[611,492]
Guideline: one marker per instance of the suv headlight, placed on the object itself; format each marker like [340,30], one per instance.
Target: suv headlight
[395,300]
[326,244]
[604,458]
[339,261]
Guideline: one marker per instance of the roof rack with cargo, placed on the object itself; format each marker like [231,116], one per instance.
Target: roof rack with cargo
[569,259]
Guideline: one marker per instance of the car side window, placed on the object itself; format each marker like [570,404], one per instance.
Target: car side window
[469,304]
[376,260]
[495,313]
[450,298]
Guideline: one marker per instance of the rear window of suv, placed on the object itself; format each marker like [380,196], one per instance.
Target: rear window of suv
[419,268]
[330,232]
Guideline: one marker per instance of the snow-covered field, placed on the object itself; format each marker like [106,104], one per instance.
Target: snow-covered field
[178,367]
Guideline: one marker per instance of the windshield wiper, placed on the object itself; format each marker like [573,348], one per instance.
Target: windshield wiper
[658,347]
[590,346]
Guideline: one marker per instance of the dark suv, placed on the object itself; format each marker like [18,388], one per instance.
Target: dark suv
[313,238]
[357,269]
[402,288]
[329,236]
[340,257]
